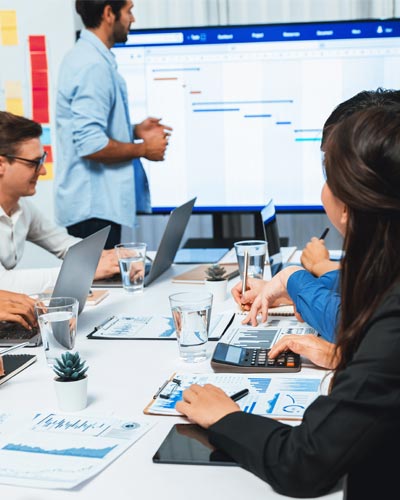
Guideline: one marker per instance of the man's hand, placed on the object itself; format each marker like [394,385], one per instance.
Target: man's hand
[315,258]
[206,405]
[317,350]
[17,307]
[154,147]
[108,265]
[151,127]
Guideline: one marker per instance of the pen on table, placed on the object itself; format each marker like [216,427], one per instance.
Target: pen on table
[4,351]
[239,395]
[322,237]
[245,271]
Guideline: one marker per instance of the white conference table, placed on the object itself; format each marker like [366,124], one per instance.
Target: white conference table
[123,376]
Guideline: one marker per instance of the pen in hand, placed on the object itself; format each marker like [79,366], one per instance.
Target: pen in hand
[326,231]
[245,271]
[239,395]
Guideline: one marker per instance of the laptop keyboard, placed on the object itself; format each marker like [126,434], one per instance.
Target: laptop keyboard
[14,331]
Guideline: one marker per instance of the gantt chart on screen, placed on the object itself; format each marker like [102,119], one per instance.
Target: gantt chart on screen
[247,105]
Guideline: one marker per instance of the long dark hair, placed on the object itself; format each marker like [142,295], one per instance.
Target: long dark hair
[362,164]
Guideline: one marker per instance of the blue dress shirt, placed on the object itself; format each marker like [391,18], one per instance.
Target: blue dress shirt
[92,107]
[317,300]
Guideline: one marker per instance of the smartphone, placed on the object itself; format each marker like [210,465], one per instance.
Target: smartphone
[189,444]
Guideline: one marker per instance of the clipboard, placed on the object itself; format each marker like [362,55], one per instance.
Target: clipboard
[165,391]
[279,398]
[124,327]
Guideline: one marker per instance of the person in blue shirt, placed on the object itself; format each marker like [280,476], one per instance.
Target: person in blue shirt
[99,177]
[314,288]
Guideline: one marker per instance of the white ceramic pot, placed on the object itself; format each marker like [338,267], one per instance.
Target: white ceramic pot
[218,289]
[71,396]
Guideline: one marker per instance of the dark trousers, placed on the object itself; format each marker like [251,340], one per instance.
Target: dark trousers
[90,226]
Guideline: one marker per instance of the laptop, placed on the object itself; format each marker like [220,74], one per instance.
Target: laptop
[165,255]
[74,280]
[271,235]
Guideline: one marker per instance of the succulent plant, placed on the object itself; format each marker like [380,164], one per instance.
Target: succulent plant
[215,273]
[70,367]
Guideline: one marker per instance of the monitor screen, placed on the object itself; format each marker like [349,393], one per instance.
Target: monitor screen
[247,105]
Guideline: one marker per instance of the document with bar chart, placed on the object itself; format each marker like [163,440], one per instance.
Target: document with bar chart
[280,398]
[61,451]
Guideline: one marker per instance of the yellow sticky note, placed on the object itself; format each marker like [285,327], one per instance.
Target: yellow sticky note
[8,27]
[49,175]
[15,106]
[13,89]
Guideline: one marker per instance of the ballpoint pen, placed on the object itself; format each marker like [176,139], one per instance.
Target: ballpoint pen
[326,231]
[239,395]
[5,351]
[245,271]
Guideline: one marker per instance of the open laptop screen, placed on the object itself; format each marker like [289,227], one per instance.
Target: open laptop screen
[271,235]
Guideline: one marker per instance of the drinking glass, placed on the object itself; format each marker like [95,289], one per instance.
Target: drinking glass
[131,258]
[257,253]
[58,319]
[191,313]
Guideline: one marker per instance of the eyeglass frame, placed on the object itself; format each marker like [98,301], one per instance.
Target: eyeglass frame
[36,163]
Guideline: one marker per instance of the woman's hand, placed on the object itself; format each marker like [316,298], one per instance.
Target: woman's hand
[315,258]
[317,350]
[254,287]
[205,405]
[264,294]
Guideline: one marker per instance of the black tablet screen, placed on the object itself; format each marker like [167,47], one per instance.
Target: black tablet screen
[188,444]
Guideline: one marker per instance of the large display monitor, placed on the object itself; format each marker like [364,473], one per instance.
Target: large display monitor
[247,105]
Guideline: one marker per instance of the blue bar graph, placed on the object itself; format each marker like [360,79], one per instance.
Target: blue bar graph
[68,452]
[260,384]
[163,70]
[307,139]
[215,110]
[77,424]
[257,116]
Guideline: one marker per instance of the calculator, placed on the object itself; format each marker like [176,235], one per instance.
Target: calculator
[230,358]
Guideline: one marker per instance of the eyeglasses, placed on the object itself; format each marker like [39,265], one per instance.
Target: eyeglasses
[35,163]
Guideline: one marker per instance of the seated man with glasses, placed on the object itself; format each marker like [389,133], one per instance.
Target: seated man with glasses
[22,162]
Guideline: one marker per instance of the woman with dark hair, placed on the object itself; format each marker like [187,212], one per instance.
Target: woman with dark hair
[355,430]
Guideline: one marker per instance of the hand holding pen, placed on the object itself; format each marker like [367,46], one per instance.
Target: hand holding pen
[245,273]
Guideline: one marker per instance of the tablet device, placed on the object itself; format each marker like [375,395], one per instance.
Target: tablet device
[188,444]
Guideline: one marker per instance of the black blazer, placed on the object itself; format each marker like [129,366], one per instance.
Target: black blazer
[355,431]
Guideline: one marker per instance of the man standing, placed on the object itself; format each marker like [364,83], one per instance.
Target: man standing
[96,184]
[21,164]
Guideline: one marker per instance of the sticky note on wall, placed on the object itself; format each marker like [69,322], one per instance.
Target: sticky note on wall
[13,98]
[39,78]
[8,27]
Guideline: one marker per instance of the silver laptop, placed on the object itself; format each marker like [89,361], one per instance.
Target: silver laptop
[170,241]
[74,280]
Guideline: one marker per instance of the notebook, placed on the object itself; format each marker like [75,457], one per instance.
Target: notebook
[11,364]
[167,249]
[80,260]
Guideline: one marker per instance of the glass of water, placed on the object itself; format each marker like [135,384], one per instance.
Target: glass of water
[257,251]
[58,319]
[131,258]
[191,312]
